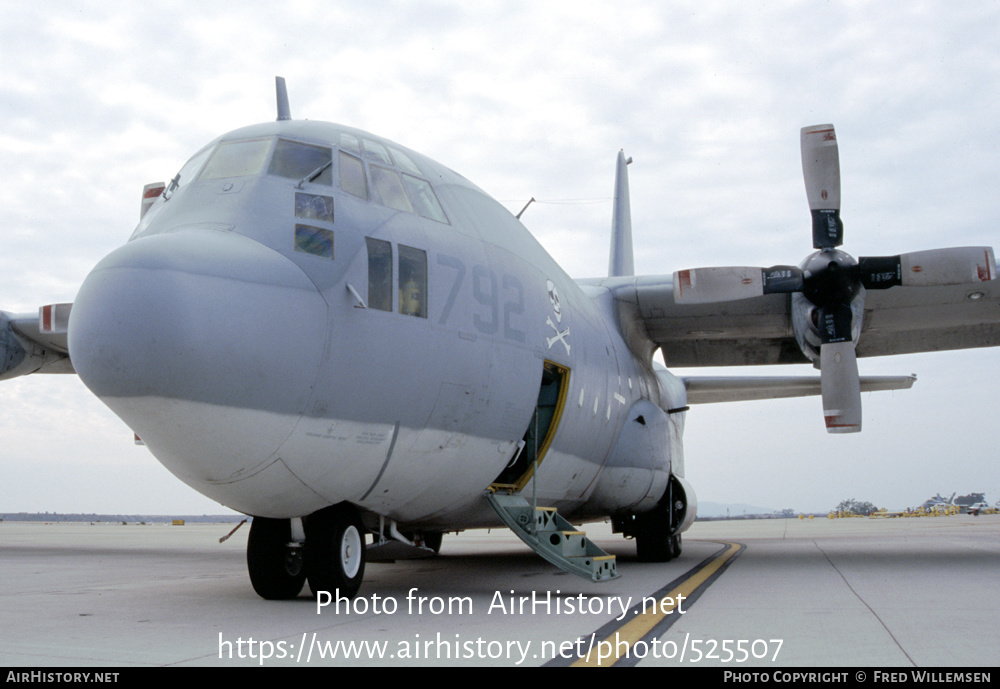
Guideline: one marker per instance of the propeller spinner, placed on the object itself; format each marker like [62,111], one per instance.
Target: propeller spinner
[833,282]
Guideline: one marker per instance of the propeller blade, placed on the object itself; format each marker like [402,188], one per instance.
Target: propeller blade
[840,386]
[956,266]
[729,283]
[724,283]
[834,323]
[821,170]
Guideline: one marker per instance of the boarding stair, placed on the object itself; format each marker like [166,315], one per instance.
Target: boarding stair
[552,537]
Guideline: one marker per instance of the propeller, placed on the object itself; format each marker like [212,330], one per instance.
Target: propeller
[833,282]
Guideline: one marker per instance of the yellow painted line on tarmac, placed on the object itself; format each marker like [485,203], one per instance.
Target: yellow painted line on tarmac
[642,624]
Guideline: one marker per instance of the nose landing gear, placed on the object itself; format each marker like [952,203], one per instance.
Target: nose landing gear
[332,557]
[275,562]
[335,550]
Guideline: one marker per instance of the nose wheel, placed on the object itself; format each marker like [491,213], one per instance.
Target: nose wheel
[332,557]
[335,551]
[275,563]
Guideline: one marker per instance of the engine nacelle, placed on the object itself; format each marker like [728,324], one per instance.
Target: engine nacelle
[20,354]
[806,327]
[12,351]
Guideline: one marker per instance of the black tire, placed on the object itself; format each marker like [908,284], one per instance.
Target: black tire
[654,545]
[432,540]
[335,551]
[653,540]
[276,572]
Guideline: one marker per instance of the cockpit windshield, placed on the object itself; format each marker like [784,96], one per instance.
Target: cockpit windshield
[237,159]
[365,168]
[301,161]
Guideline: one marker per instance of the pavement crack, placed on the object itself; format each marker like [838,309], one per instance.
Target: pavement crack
[865,603]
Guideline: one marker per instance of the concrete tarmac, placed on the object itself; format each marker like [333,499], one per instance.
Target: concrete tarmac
[851,593]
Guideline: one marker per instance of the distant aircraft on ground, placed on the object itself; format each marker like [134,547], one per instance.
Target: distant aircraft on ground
[937,501]
[339,336]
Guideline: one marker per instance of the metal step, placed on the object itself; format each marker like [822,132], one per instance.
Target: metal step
[554,538]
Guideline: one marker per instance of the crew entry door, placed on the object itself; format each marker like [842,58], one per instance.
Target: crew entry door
[541,429]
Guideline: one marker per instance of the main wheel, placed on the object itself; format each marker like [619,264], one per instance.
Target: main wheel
[335,551]
[655,545]
[432,540]
[653,540]
[276,569]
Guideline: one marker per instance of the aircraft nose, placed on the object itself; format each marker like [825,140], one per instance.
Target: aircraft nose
[206,343]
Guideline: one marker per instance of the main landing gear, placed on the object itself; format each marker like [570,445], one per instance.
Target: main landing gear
[332,556]
[656,532]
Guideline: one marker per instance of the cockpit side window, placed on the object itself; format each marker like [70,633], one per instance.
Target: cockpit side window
[422,197]
[390,189]
[404,162]
[376,152]
[352,176]
[350,143]
[191,167]
[396,181]
[300,161]
[237,159]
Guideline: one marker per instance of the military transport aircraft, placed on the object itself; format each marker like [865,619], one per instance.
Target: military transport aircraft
[358,347]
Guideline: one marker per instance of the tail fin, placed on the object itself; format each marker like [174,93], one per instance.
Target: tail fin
[622,263]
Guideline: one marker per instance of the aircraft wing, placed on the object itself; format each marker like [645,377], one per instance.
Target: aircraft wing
[759,331]
[35,342]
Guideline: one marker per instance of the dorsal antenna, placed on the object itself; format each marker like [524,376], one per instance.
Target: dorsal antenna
[284,112]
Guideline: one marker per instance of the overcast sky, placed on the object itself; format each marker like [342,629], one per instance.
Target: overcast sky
[530,99]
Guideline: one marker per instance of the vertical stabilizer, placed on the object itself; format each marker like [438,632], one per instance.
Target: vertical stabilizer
[621,263]
[284,112]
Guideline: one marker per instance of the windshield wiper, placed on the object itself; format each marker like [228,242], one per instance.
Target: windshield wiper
[315,173]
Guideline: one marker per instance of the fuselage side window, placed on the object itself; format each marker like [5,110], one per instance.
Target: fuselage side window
[412,281]
[379,274]
[300,161]
[352,176]
[237,159]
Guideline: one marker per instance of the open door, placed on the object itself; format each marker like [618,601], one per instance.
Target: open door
[542,428]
